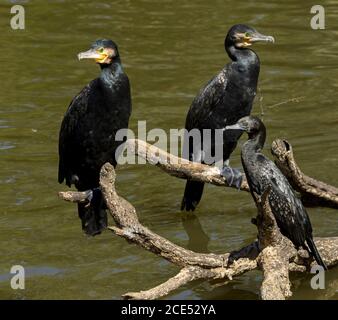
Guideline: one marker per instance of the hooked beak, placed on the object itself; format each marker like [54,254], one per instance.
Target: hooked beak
[236,126]
[258,37]
[92,54]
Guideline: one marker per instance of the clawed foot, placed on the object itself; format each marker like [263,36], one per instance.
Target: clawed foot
[91,196]
[233,176]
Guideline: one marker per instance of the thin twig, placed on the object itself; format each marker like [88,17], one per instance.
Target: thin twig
[296,99]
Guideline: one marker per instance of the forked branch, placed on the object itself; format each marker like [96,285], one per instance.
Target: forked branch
[274,254]
[313,192]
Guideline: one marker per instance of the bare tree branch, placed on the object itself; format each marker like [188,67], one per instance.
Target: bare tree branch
[276,251]
[313,192]
[178,167]
[274,254]
[187,274]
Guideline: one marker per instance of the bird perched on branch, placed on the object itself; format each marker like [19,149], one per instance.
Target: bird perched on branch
[87,134]
[262,174]
[225,99]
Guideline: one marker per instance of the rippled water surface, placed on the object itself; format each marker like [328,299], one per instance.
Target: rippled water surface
[169,49]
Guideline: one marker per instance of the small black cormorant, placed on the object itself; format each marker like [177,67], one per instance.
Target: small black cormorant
[262,173]
[223,101]
[87,134]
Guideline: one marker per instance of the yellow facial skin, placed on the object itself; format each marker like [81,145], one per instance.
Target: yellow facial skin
[106,55]
[100,55]
[243,40]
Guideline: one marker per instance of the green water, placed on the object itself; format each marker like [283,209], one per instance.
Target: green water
[169,49]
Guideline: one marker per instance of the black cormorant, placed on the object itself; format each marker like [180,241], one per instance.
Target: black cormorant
[87,134]
[261,173]
[223,101]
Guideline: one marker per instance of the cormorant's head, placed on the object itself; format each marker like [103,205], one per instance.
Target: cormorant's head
[102,51]
[250,124]
[242,36]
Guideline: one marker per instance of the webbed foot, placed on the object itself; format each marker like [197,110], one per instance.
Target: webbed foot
[233,176]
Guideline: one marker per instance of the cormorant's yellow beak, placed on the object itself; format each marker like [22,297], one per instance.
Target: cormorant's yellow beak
[248,38]
[99,55]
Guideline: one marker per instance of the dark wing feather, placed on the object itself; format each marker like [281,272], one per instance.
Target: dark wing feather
[206,101]
[76,111]
[203,105]
[288,209]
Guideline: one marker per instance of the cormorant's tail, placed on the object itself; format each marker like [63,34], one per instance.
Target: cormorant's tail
[192,195]
[93,215]
[315,253]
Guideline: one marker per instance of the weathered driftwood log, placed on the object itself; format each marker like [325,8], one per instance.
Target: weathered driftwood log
[313,192]
[272,253]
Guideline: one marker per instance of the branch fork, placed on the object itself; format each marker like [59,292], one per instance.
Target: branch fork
[272,253]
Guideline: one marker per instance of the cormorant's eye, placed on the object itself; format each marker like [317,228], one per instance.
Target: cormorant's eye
[101,50]
[247,34]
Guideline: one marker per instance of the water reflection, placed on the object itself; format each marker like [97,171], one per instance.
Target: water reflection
[198,239]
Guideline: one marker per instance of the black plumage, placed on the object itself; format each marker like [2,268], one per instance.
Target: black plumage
[223,101]
[262,173]
[87,134]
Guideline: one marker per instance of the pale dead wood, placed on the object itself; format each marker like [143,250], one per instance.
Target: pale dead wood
[313,192]
[274,254]
[80,196]
[179,167]
[187,274]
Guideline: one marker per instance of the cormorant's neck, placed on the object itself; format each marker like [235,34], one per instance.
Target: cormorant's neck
[109,72]
[256,141]
[245,56]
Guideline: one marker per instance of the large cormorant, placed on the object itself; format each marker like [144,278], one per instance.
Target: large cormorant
[223,101]
[262,173]
[87,134]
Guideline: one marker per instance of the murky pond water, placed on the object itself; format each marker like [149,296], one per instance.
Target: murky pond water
[169,49]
